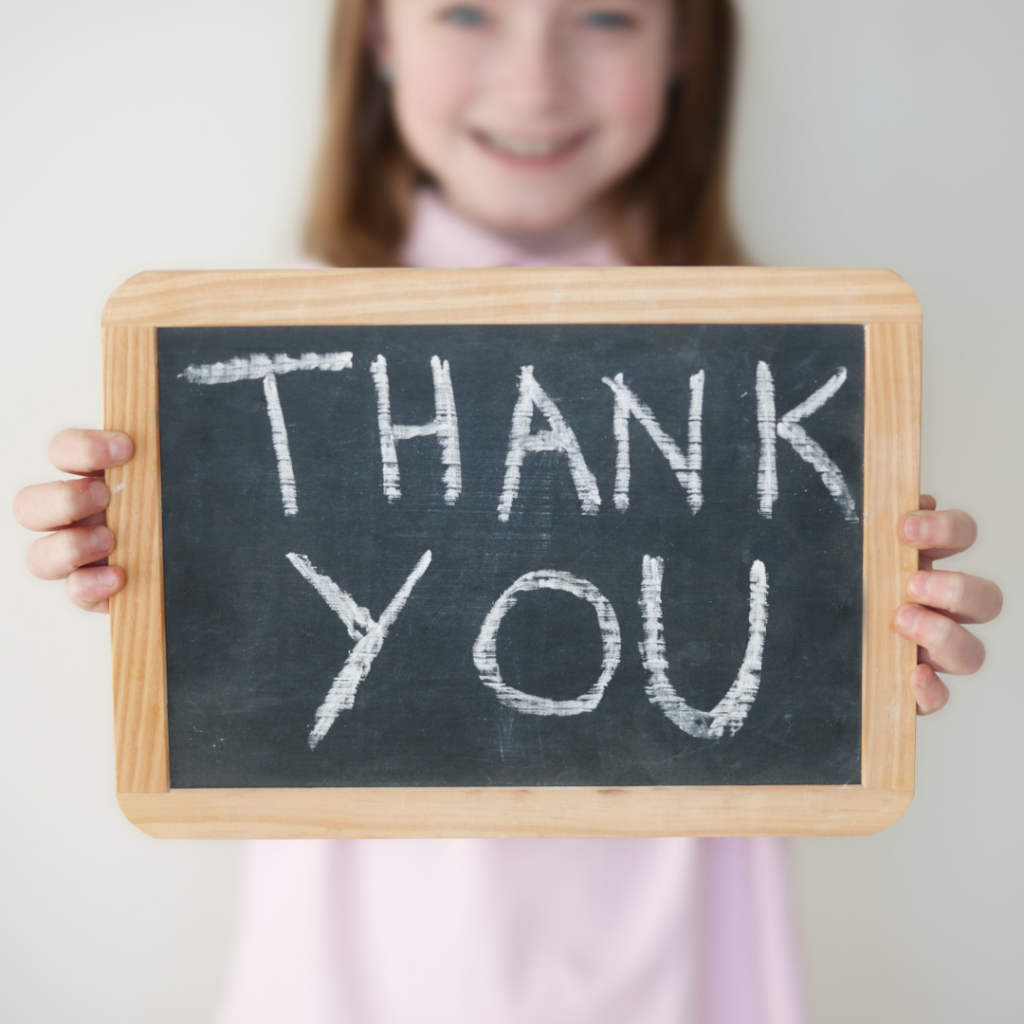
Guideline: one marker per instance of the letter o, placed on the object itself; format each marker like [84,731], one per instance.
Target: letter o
[485,650]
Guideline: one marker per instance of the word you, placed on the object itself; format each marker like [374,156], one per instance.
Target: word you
[559,436]
[369,635]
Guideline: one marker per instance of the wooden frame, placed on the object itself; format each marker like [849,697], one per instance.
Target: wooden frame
[877,299]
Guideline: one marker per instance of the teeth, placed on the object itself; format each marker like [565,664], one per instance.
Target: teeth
[527,149]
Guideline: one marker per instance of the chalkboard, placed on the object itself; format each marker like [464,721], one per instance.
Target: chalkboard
[576,555]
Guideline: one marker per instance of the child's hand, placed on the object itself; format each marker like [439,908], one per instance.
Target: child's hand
[75,509]
[942,600]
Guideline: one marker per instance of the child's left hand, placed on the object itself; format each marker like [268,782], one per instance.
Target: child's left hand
[941,602]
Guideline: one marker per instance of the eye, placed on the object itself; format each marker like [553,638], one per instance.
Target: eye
[610,20]
[464,16]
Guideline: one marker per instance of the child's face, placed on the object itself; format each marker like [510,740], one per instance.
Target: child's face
[528,111]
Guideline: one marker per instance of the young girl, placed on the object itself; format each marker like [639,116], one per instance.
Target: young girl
[519,132]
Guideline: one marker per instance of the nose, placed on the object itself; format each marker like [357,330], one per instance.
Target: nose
[531,71]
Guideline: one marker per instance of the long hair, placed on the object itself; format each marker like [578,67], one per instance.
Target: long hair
[669,210]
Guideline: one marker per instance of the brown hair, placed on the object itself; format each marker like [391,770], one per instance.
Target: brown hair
[670,210]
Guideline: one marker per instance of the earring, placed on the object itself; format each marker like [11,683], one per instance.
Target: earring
[386,73]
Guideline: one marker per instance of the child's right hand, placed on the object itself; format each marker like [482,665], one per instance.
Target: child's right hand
[76,511]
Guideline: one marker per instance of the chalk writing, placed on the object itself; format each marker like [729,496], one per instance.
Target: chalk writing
[560,438]
[485,655]
[445,426]
[789,429]
[398,582]
[731,711]
[268,368]
[686,467]
[369,637]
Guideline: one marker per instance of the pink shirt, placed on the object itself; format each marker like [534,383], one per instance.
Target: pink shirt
[594,931]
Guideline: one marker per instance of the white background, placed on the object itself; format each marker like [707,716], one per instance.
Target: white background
[142,135]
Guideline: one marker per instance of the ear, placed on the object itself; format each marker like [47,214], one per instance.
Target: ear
[376,37]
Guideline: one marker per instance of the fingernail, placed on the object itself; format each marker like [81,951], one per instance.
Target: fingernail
[99,493]
[102,539]
[918,585]
[107,577]
[120,449]
[926,681]
[912,527]
[906,617]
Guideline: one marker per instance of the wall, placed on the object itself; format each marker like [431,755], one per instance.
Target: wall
[142,136]
[135,136]
[889,134]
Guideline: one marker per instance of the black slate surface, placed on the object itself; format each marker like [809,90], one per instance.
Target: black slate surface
[252,648]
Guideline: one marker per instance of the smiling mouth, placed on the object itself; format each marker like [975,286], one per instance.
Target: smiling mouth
[526,151]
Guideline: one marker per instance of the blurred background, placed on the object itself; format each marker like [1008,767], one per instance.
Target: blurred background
[141,135]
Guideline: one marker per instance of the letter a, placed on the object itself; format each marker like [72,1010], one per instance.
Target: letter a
[560,438]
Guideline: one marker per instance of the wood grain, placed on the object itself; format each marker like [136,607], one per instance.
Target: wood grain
[542,295]
[892,418]
[501,813]
[137,613]
[878,299]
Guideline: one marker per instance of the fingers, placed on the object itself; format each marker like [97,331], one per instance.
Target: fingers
[966,598]
[930,692]
[93,587]
[89,451]
[75,509]
[945,644]
[944,600]
[938,534]
[54,557]
[60,503]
